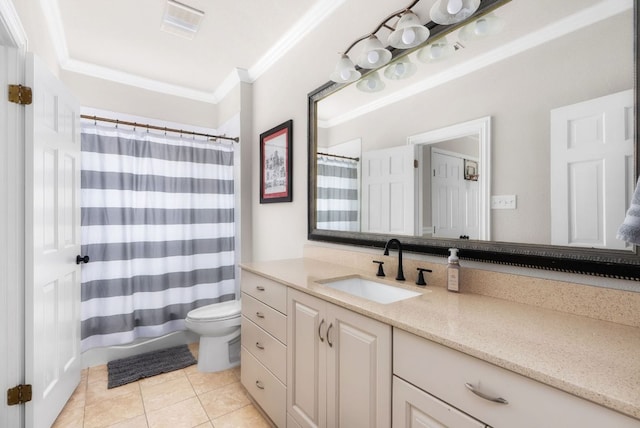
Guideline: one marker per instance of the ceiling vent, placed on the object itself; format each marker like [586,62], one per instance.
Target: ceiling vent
[181,20]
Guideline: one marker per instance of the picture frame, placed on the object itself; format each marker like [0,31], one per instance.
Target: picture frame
[276,164]
[470,170]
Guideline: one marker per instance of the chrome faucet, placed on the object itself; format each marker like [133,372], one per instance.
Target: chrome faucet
[400,275]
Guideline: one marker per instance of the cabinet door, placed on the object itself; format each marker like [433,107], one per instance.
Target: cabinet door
[414,408]
[358,370]
[306,355]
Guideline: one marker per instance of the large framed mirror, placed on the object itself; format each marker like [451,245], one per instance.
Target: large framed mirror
[500,141]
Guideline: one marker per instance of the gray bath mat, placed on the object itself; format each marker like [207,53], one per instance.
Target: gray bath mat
[130,369]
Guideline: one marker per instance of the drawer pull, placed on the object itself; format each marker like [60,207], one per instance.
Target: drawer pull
[499,400]
[259,384]
[320,331]
[259,345]
[259,288]
[328,330]
[259,314]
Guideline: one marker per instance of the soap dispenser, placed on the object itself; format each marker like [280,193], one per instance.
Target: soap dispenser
[453,271]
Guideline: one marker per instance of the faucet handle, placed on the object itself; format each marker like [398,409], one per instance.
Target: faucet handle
[380,269]
[420,280]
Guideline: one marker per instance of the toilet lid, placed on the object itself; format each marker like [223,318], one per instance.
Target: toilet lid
[218,311]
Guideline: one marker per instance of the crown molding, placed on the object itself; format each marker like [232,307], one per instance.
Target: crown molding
[318,13]
[118,76]
[12,24]
[309,21]
[553,31]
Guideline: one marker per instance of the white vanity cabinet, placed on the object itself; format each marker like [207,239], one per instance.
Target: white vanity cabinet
[483,391]
[339,366]
[264,344]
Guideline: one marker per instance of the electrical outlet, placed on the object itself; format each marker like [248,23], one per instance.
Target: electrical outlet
[503,202]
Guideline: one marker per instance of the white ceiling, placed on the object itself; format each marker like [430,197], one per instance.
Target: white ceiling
[121,40]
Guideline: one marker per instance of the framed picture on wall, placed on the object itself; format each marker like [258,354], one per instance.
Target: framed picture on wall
[470,170]
[276,164]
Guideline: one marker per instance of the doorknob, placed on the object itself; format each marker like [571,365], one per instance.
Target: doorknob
[80,259]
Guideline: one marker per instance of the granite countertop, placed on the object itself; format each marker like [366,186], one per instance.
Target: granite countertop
[593,359]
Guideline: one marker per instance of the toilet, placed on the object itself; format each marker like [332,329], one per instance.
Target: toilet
[218,326]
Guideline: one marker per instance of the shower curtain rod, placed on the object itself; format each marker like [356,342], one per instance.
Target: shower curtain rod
[338,156]
[159,128]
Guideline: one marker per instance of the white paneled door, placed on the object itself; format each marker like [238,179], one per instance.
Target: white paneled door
[388,190]
[592,170]
[52,295]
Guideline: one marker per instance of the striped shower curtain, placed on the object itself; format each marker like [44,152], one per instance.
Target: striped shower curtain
[337,203]
[158,226]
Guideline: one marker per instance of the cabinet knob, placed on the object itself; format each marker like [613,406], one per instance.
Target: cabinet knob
[259,288]
[259,314]
[259,384]
[259,345]
[481,394]
[328,339]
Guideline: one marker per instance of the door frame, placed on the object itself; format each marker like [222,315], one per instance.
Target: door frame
[481,128]
[12,228]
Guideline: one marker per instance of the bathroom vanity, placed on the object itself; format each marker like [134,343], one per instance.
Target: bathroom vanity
[315,356]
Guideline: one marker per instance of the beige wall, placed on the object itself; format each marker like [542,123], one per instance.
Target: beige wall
[518,94]
[269,231]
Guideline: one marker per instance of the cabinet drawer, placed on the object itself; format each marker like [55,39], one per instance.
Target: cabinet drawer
[270,292]
[443,372]
[265,389]
[269,351]
[414,408]
[265,317]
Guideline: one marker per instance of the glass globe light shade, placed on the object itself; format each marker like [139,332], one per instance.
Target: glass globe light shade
[447,12]
[373,54]
[409,32]
[345,71]
[371,83]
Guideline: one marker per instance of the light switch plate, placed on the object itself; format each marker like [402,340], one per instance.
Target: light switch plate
[503,202]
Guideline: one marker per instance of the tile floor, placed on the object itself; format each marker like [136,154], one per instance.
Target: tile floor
[182,398]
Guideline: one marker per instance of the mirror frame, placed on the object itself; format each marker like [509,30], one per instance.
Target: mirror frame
[599,262]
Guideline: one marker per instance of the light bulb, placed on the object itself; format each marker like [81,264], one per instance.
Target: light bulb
[345,74]
[400,69]
[454,6]
[371,83]
[408,36]
[373,57]
[482,27]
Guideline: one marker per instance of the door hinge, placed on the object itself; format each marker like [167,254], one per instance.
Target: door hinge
[415,163]
[18,395]
[20,94]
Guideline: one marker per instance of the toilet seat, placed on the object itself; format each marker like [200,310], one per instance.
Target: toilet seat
[216,312]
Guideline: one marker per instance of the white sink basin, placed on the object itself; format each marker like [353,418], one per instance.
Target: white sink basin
[371,290]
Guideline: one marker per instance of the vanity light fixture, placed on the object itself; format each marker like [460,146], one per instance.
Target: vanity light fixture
[373,54]
[436,51]
[482,27]
[371,83]
[447,12]
[409,32]
[401,69]
[345,71]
